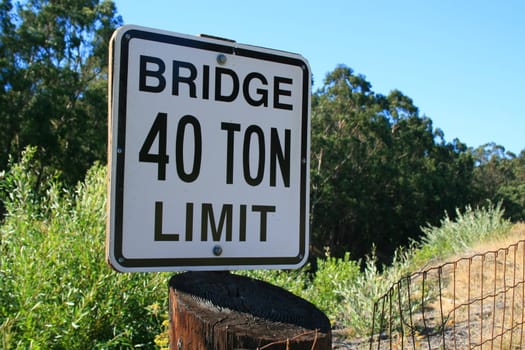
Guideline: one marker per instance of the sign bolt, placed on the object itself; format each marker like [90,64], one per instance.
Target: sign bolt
[221,58]
[217,250]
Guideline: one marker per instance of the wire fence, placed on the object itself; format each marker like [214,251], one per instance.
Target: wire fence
[471,303]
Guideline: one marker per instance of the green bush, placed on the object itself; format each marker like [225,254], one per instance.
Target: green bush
[332,277]
[56,289]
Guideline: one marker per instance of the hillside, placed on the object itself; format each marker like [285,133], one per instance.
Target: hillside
[470,299]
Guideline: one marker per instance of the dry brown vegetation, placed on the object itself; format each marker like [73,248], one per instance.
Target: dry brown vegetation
[483,299]
[474,300]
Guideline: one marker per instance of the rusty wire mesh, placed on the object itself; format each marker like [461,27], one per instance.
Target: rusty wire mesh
[475,302]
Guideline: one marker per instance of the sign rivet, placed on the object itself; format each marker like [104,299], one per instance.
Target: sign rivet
[217,250]
[221,58]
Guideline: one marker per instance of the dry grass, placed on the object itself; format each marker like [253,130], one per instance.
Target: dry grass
[470,301]
[483,293]
[516,233]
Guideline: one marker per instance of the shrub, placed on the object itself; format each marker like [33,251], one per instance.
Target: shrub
[57,291]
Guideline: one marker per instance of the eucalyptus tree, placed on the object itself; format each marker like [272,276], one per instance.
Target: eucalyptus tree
[53,73]
[499,176]
[379,170]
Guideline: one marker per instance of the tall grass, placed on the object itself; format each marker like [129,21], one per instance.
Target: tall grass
[56,290]
[456,236]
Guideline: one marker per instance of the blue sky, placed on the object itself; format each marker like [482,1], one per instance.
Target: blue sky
[462,62]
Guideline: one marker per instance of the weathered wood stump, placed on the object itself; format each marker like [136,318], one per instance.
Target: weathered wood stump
[219,310]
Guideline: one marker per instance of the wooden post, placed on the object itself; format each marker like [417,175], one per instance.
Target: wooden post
[219,310]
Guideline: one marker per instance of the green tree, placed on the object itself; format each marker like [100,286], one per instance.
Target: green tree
[53,73]
[379,171]
[499,176]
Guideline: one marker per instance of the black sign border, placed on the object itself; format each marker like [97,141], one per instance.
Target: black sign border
[165,264]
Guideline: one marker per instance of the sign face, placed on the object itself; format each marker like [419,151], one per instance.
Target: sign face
[208,153]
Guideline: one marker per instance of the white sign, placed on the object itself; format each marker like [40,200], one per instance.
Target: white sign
[208,152]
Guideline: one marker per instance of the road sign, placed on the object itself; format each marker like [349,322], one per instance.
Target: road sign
[208,153]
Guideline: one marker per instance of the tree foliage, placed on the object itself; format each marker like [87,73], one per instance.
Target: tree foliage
[500,176]
[379,169]
[53,73]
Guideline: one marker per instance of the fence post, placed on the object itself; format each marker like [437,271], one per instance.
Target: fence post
[219,310]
